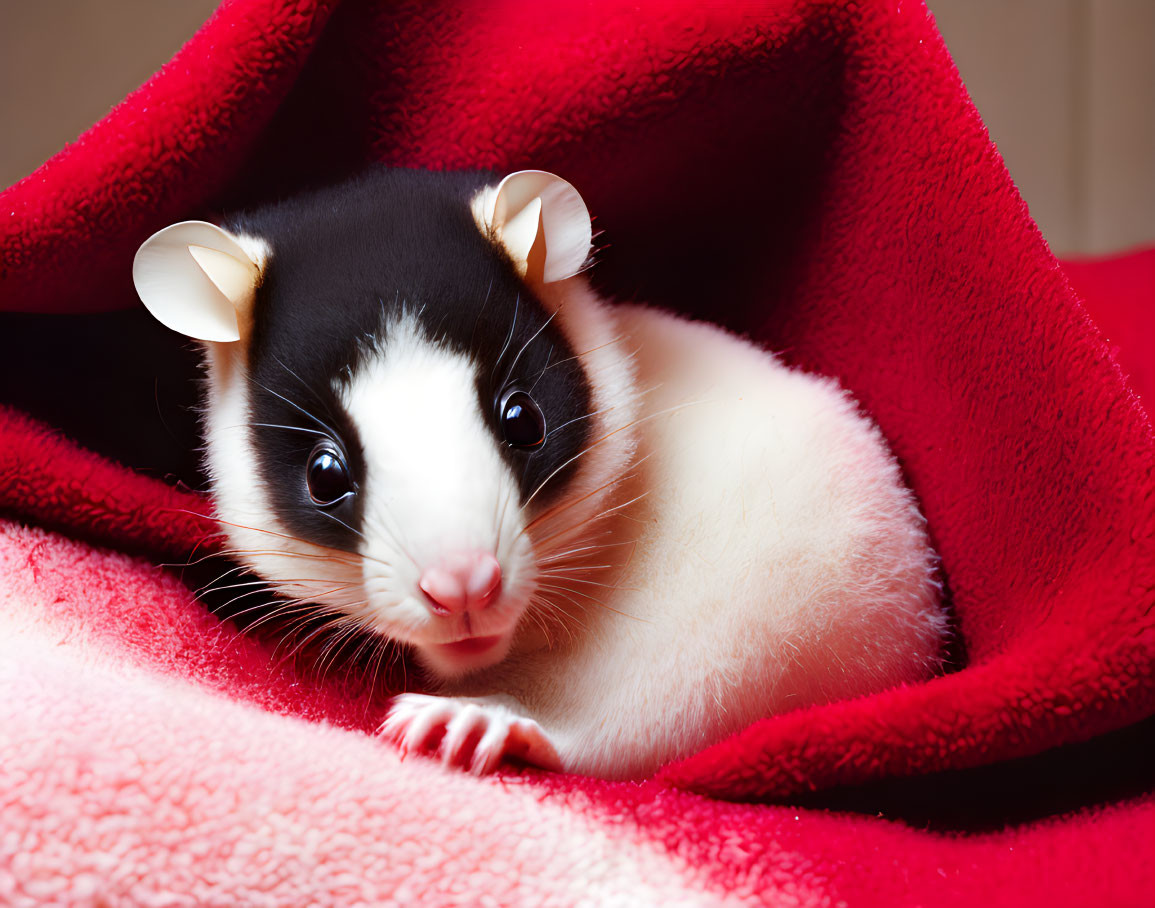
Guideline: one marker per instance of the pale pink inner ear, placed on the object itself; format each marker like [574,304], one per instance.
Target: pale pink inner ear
[235,278]
[195,278]
[520,233]
[563,236]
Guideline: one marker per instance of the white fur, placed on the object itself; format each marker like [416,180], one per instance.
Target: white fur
[736,541]
[435,484]
[776,561]
[298,569]
[256,248]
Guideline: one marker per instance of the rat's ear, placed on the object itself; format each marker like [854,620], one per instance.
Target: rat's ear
[542,223]
[196,278]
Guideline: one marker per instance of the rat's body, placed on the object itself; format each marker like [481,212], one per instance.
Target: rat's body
[691,536]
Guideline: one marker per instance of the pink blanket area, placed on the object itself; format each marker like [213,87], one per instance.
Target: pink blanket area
[812,174]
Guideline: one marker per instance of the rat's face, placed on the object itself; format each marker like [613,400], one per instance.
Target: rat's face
[396,417]
[405,480]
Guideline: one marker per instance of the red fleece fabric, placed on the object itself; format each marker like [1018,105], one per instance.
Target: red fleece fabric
[811,174]
[1119,293]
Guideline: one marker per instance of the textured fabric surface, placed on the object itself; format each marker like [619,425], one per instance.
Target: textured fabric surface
[811,174]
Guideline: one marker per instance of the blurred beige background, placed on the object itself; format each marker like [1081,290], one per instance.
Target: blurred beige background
[1066,87]
[1067,90]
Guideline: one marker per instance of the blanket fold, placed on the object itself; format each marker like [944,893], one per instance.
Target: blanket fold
[811,174]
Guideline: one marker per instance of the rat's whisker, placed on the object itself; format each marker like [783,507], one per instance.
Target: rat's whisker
[301,607]
[501,519]
[540,621]
[334,645]
[584,595]
[233,553]
[368,639]
[568,422]
[304,384]
[575,567]
[480,310]
[272,585]
[327,550]
[333,433]
[549,613]
[279,605]
[525,346]
[271,425]
[327,625]
[562,362]
[548,357]
[569,579]
[564,506]
[338,520]
[581,525]
[604,439]
[312,600]
[508,338]
[552,557]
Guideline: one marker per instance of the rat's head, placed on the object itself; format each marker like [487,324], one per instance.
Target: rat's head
[412,402]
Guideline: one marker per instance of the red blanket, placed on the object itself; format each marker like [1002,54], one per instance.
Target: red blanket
[812,175]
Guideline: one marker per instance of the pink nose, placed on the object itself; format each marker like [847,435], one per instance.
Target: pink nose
[462,581]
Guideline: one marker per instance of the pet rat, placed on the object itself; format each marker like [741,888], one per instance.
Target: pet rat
[611,536]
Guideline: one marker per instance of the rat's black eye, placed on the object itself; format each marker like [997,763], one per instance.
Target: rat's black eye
[327,476]
[522,422]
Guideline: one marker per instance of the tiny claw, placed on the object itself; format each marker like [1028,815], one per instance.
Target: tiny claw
[473,734]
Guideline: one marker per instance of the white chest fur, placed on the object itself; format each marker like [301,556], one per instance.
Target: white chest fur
[774,560]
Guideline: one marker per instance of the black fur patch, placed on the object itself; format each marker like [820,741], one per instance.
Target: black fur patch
[342,258]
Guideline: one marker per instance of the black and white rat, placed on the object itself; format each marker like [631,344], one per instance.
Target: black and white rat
[612,536]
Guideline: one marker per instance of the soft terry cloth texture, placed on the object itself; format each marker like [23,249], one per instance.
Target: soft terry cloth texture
[811,174]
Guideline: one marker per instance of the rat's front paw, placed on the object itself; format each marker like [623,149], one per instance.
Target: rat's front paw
[472,734]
